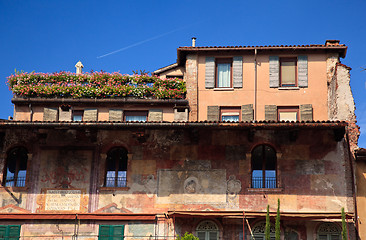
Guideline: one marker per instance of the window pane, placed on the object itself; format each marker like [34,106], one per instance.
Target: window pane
[10,177]
[230,118]
[270,179]
[201,235]
[21,178]
[212,235]
[257,179]
[77,118]
[223,74]
[288,73]
[136,118]
[288,116]
[121,181]
[110,178]
[270,156]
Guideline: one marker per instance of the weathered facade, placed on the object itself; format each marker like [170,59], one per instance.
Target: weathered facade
[258,125]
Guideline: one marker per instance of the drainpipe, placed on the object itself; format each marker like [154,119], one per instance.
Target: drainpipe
[255,84]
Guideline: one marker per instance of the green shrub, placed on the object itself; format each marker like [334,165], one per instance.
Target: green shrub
[187,236]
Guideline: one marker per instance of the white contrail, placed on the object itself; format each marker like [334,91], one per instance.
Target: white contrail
[141,42]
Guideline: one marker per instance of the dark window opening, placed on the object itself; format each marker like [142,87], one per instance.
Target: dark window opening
[264,167]
[135,116]
[116,170]
[15,171]
[77,115]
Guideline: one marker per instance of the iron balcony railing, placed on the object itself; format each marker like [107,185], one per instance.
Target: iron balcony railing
[269,182]
[15,182]
[116,182]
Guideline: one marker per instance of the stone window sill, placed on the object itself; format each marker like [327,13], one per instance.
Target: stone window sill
[288,88]
[114,188]
[265,190]
[223,89]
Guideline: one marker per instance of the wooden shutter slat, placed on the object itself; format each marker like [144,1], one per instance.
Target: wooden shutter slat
[90,115]
[155,115]
[50,114]
[238,72]
[210,72]
[213,113]
[302,71]
[247,113]
[306,112]
[115,115]
[274,67]
[270,112]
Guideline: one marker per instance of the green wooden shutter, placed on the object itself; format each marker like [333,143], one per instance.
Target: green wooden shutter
[210,72]
[238,72]
[270,112]
[118,232]
[302,71]
[213,113]
[104,232]
[3,232]
[14,232]
[274,70]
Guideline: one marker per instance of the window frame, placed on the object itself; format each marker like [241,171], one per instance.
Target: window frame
[223,61]
[135,113]
[16,170]
[111,235]
[288,59]
[208,231]
[281,109]
[7,232]
[264,167]
[224,110]
[116,169]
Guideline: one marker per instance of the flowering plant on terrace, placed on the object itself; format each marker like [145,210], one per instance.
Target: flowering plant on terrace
[94,85]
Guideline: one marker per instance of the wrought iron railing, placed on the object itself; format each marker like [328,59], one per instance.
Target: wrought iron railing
[269,182]
[116,182]
[15,182]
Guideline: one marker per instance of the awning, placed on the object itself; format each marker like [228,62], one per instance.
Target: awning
[253,214]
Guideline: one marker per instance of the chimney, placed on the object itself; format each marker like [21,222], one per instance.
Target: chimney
[193,42]
[79,68]
[332,42]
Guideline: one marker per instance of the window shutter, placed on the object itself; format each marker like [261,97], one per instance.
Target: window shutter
[335,237]
[210,72]
[213,113]
[64,115]
[118,231]
[50,114]
[115,114]
[306,112]
[302,69]
[323,237]
[270,112]
[155,115]
[90,115]
[274,70]
[247,114]
[14,232]
[213,236]
[238,72]
[2,232]
[201,235]
[104,233]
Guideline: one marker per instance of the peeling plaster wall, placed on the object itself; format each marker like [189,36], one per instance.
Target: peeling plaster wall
[179,169]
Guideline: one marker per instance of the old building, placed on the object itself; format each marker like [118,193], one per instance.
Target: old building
[97,156]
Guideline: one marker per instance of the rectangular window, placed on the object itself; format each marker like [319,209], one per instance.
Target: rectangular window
[288,72]
[135,116]
[9,232]
[111,232]
[288,114]
[77,115]
[224,72]
[231,114]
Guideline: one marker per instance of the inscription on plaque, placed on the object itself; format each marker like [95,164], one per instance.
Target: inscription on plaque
[63,200]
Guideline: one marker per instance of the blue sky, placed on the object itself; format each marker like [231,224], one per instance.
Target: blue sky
[50,36]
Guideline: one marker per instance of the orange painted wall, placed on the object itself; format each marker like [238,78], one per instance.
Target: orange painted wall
[315,93]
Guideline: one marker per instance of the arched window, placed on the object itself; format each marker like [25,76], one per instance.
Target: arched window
[329,231]
[15,171]
[207,230]
[264,167]
[116,170]
[259,231]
